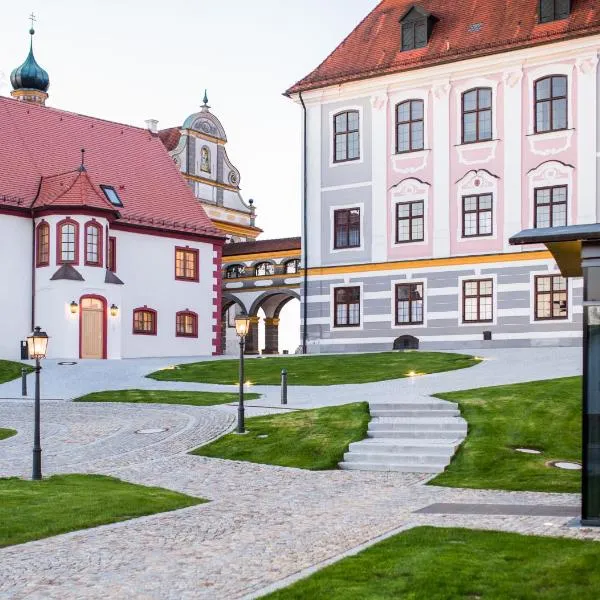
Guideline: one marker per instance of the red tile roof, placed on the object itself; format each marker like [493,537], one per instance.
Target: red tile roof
[40,148]
[373,48]
[170,137]
[260,246]
[72,189]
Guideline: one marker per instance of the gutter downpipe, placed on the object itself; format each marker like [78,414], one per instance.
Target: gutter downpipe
[305,233]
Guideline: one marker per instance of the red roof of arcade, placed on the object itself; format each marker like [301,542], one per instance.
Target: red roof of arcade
[40,152]
[373,48]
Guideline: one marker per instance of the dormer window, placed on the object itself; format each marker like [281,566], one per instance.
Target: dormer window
[554,10]
[111,195]
[417,26]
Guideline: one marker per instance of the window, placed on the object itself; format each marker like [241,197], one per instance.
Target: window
[42,257]
[550,206]
[551,298]
[111,258]
[551,103]
[477,215]
[554,10]
[263,269]
[346,228]
[414,34]
[235,271]
[186,264]
[67,242]
[346,136]
[144,321]
[409,126]
[186,324]
[409,304]
[292,266]
[93,244]
[410,223]
[111,195]
[477,115]
[347,307]
[478,301]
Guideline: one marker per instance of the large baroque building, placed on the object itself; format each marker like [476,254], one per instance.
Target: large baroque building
[434,132]
[103,242]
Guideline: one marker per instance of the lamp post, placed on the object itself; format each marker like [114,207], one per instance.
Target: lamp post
[242,326]
[37,343]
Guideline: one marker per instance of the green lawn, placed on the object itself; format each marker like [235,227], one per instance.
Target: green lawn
[10,370]
[163,397]
[542,415]
[320,370]
[6,433]
[458,564]
[31,510]
[308,439]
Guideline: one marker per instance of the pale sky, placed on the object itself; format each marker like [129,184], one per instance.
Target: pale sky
[130,60]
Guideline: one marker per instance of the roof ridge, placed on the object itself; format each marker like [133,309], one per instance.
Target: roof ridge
[76,114]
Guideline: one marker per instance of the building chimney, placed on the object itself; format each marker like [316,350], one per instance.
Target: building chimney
[152,125]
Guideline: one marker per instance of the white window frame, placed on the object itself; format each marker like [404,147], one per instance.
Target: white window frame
[408,281]
[332,209]
[461,288]
[331,116]
[336,286]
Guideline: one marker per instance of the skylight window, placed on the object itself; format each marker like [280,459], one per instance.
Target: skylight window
[111,195]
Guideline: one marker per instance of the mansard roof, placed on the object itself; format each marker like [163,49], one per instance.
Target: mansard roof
[465,29]
[40,148]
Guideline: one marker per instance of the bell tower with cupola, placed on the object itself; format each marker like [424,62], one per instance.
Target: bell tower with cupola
[29,81]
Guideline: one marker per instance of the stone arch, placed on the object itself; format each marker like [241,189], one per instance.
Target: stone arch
[228,300]
[272,302]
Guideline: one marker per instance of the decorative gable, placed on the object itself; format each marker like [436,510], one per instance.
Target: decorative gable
[417,26]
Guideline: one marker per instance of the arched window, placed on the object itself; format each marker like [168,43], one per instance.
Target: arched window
[551,103]
[186,324]
[144,321]
[477,115]
[264,268]
[346,136]
[93,244]
[235,271]
[67,242]
[409,126]
[292,266]
[42,254]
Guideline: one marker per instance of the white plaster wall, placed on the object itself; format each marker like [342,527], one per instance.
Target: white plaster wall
[53,298]
[379,136]
[146,264]
[313,199]
[15,284]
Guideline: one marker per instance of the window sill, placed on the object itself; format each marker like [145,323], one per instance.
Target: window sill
[143,332]
[187,279]
[551,133]
[187,335]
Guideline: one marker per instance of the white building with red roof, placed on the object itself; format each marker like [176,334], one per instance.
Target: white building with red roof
[433,133]
[103,243]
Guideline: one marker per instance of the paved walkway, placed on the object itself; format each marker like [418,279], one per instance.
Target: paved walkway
[264,525]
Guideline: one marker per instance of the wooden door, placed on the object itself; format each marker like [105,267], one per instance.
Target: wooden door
[92,328]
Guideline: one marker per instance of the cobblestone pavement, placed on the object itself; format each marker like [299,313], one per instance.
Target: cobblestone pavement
[264,525]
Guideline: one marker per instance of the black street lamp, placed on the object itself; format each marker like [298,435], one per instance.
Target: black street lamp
[242,326]
[37,343]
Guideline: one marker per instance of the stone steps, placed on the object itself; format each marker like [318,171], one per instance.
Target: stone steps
[410,437]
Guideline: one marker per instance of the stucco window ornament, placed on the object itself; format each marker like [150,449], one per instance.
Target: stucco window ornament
[234,178]
[205,159]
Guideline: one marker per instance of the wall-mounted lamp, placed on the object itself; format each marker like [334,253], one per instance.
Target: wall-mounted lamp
[74,307]
[114,310]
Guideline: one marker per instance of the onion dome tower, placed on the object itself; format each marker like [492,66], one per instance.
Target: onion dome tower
[30,82]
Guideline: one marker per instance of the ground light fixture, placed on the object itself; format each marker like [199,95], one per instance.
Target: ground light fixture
[242,327]
[74,307]
[114,310]
[37,344]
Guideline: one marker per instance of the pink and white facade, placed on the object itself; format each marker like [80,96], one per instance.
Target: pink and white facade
[445,273]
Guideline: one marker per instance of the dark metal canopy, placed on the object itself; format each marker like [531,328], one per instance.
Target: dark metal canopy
[565,244]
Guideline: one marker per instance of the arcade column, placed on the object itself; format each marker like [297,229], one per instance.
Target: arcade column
[271,336]
[252,337]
